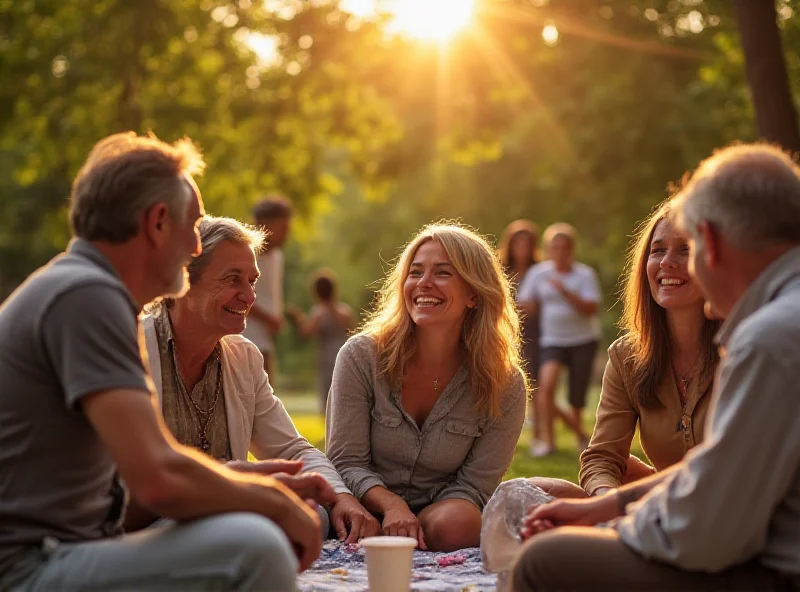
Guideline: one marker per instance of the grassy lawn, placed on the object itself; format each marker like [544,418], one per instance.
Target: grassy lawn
[563,464]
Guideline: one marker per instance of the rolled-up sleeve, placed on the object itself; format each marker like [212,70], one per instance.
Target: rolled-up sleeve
[716,511]
[603,462]
[275,435]
[492,452]
[348,421]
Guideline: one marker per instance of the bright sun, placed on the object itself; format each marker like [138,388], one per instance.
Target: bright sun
[435,20]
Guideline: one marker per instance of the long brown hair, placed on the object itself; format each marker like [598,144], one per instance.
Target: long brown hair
[646,322]
[491,332]
[512,231]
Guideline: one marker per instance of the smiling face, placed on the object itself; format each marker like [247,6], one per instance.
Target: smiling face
[434,294]
[671,284]
[222,296]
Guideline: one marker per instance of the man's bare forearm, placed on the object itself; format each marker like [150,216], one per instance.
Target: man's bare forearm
[638,489]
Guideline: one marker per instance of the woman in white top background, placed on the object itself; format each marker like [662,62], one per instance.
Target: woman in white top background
[566,295]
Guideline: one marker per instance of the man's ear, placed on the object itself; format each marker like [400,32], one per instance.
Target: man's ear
[156,223]
[711,243]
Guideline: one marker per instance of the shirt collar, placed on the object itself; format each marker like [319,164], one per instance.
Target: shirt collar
[764,289]
[84,248]
[165,333]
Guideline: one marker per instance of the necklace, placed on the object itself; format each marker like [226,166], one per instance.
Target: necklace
[436,384]
[204,415]
[682,382]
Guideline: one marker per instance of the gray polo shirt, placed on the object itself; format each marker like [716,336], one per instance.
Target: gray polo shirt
[68,331]
[736,496]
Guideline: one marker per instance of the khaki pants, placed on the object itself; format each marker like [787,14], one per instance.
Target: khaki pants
[225,552]
[580,558]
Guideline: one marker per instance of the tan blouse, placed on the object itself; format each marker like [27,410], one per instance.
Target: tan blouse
[665,434]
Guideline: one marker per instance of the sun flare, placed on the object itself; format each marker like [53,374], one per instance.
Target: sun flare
[433,20]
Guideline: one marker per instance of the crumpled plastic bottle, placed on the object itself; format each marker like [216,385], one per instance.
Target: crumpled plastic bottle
[502,520]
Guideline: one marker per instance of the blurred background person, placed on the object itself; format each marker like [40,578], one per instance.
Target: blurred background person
[273,215]
[328,322]
[518,252]
[566,295]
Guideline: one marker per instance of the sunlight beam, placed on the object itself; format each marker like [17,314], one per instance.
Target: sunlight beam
[430,20]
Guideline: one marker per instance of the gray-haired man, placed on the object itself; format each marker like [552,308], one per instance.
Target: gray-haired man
[78,424]
[728,516]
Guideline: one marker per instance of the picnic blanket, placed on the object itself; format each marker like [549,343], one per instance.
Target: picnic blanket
[342,568]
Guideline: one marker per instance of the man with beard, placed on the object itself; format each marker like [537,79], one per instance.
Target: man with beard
[78,424]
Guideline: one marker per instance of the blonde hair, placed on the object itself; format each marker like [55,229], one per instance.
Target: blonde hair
[490,337]
[560,229]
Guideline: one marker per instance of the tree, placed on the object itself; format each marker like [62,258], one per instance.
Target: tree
[776,115]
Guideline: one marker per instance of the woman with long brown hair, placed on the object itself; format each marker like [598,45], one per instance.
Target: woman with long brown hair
[659,374]
[428,400]
[519,252]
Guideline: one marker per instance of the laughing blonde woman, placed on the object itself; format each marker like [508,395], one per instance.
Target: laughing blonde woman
[428,400]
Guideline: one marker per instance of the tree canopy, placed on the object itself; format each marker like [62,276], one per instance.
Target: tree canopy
[546,109]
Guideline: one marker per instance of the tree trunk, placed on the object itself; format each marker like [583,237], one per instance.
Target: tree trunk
[765,64]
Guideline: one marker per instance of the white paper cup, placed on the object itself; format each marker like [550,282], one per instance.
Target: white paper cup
[389,560]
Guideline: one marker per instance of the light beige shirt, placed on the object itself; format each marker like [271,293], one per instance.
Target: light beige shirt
[257,420]
[666,434]
[736,496]
[458,453]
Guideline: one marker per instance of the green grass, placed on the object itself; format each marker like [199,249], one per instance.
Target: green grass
[563,464]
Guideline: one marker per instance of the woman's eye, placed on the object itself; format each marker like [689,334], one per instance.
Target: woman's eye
[414,273]
[658,250]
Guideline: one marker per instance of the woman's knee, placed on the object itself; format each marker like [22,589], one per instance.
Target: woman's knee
[451,527]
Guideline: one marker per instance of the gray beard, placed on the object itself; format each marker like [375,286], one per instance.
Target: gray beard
[179,285]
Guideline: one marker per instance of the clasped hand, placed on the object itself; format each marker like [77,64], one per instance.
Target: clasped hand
[307,486]
[569,512]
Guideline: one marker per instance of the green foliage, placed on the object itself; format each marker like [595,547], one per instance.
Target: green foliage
[373,135]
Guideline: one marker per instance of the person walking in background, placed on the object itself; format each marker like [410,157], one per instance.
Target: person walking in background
[659,374]
[272,214]
[328,321]
[428,400]
[518,252]
[566,296]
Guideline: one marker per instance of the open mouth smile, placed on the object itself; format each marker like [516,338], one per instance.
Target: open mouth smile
[427,301]
[671,282]
[234,311]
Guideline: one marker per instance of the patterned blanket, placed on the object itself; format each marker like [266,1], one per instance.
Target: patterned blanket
[343,568]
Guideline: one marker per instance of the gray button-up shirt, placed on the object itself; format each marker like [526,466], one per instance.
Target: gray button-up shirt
[737,495]
[458,453]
